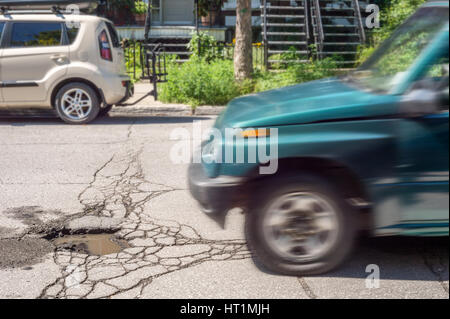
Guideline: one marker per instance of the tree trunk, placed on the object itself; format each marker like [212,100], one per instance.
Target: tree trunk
[243,56]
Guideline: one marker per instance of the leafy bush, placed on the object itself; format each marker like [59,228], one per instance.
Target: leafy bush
[203,45]
[392,15]
[199,82]
[295,73]
[139,7]
[290,57]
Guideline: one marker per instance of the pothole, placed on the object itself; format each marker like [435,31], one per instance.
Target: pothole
[97,244]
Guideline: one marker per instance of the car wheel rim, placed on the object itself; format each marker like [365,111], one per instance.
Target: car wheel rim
[301,227]
[76,104]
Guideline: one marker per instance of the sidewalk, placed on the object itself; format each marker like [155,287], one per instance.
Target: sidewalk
[142,103]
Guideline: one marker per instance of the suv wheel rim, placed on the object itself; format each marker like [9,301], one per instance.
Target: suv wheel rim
[76,104]
[300,227]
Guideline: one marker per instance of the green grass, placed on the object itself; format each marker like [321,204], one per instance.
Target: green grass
[208,77]
[200,82]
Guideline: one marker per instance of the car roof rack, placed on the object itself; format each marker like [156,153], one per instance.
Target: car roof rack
[46,6]
[55,10]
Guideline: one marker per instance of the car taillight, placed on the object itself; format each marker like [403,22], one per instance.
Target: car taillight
[105,48]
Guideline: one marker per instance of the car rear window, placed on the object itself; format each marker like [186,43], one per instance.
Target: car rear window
[113,35]
[36,34]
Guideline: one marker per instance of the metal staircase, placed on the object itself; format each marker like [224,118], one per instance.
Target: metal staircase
[335,27]
[174,45]
[338,29]
[285,30]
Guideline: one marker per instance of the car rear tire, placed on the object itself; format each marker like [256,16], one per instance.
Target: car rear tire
[77,103]
[299,225]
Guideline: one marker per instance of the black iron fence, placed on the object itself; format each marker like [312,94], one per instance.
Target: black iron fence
[134,58]
[139,64]
[225,51]
[146,62]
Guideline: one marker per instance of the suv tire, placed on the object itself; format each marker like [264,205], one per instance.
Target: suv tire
[310,193]
[77,103]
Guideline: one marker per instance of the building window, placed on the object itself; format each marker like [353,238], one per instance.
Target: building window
[156,11]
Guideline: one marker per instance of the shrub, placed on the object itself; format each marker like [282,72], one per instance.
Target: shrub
[392,16]
[199,82]
[208,49]
[295,73]
[290,57]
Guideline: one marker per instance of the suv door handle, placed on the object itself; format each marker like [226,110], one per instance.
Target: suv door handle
[59,58]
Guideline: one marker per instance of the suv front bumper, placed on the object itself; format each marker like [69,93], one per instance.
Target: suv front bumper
[215,195]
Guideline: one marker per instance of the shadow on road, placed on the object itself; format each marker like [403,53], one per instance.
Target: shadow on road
[399,258]
[47,117]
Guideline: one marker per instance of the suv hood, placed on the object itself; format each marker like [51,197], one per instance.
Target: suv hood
[329,99]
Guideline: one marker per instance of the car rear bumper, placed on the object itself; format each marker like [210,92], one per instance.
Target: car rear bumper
[215,195]
[117,89]
[129,92]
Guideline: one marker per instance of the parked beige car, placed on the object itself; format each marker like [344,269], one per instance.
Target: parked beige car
[72,63]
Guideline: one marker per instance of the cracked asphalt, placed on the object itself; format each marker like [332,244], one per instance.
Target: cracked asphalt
[115,175]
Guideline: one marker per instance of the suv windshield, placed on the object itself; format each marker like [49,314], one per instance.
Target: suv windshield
[384,69]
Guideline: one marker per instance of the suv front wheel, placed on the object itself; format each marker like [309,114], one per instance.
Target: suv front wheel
[299,225]
[77,103]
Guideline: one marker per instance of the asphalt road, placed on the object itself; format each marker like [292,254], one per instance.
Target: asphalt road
[116,175]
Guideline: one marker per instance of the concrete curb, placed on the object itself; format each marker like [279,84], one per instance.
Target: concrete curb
[169,110]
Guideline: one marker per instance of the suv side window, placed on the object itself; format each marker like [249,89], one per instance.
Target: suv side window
[437,79]
[36,34]
[2,26]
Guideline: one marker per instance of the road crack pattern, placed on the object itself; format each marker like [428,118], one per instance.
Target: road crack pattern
[158,247]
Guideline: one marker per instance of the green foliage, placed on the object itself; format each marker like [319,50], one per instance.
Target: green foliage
[294,74]
[393,14]
[203,45]
[139,7]
[291,57]
[396,13]
[200,82]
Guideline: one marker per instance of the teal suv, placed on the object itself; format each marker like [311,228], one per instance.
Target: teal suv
[363,152]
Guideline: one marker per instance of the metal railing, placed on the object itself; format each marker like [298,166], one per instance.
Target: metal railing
[265,40]
[225,51]
[134,58]
[361,31]
[146,62]
[155,65]
[319,28]
[307,20]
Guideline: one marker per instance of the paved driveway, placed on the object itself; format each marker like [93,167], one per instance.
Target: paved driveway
[116,176]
